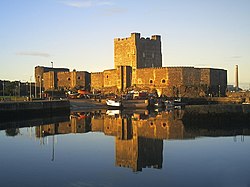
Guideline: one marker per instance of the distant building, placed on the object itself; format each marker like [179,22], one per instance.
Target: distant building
[61,78]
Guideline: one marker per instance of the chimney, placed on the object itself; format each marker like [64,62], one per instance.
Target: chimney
[236,78]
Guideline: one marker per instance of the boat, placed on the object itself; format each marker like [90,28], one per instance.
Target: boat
[113,103]
[178,102]
[135,104]
[73,95]
[169,104]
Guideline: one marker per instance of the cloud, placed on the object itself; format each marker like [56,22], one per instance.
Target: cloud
[33,53]
[236,57]
[86,3]
[79,4]
[114,10]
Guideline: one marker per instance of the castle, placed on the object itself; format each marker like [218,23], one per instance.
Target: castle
[138,65]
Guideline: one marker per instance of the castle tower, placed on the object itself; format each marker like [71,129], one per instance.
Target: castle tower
[138,52]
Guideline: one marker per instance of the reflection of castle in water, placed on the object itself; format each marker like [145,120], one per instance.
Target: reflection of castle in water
[138,135]
[75,125]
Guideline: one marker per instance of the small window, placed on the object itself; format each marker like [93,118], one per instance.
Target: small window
[164,124]
[153,55]
[143,55]
[68,79]
[163,81]
[151,81]
[107,76]
[79,78]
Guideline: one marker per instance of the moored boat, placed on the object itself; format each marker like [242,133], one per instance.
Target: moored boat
[113,103]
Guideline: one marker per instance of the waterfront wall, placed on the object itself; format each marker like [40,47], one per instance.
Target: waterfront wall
[33,109]
[218,109]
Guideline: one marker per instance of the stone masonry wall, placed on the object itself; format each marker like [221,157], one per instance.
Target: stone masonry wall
[39,70]
[48,80]
[64,80]
[149,52]
[97,80]
[110,78]
[138,52]
[125,51]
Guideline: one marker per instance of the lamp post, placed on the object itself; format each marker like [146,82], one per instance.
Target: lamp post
[19,88]
[40,81]
[3,88]
[219,90]
[30,86]
[35,88]
[52,93]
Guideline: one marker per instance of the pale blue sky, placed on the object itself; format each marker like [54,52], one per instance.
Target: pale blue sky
[79,34]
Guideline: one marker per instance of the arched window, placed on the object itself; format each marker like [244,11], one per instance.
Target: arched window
[164,124]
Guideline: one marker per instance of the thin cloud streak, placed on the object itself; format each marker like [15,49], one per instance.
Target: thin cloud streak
[86,3]
[79,4]
[37,54]
[236,57]
[113,11]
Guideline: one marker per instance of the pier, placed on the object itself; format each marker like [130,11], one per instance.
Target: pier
[29,109]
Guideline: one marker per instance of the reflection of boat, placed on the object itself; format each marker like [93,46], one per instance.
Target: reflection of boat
[159,104]
[74,116]
[113,112]
[169,104]
[178,102]
[113,103]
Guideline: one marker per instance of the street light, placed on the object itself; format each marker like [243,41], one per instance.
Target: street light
[52,95]
[30,86]
[40,79]
[219,90]
[3,88]
[19,88]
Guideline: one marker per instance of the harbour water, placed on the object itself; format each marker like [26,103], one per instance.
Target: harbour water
[129,148]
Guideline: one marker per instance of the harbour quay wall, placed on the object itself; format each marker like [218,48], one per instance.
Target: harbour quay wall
[218,109]
[17,110]
[213,100]
[230,112]
[212,118]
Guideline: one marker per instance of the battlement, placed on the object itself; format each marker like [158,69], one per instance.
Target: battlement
[96,72]
[137,36]
[152,68]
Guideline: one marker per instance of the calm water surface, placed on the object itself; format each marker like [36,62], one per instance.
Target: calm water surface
[129,149]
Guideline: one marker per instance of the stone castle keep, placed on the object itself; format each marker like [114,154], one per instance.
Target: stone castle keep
[138,65]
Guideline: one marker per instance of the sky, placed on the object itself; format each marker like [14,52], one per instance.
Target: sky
[79,34]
